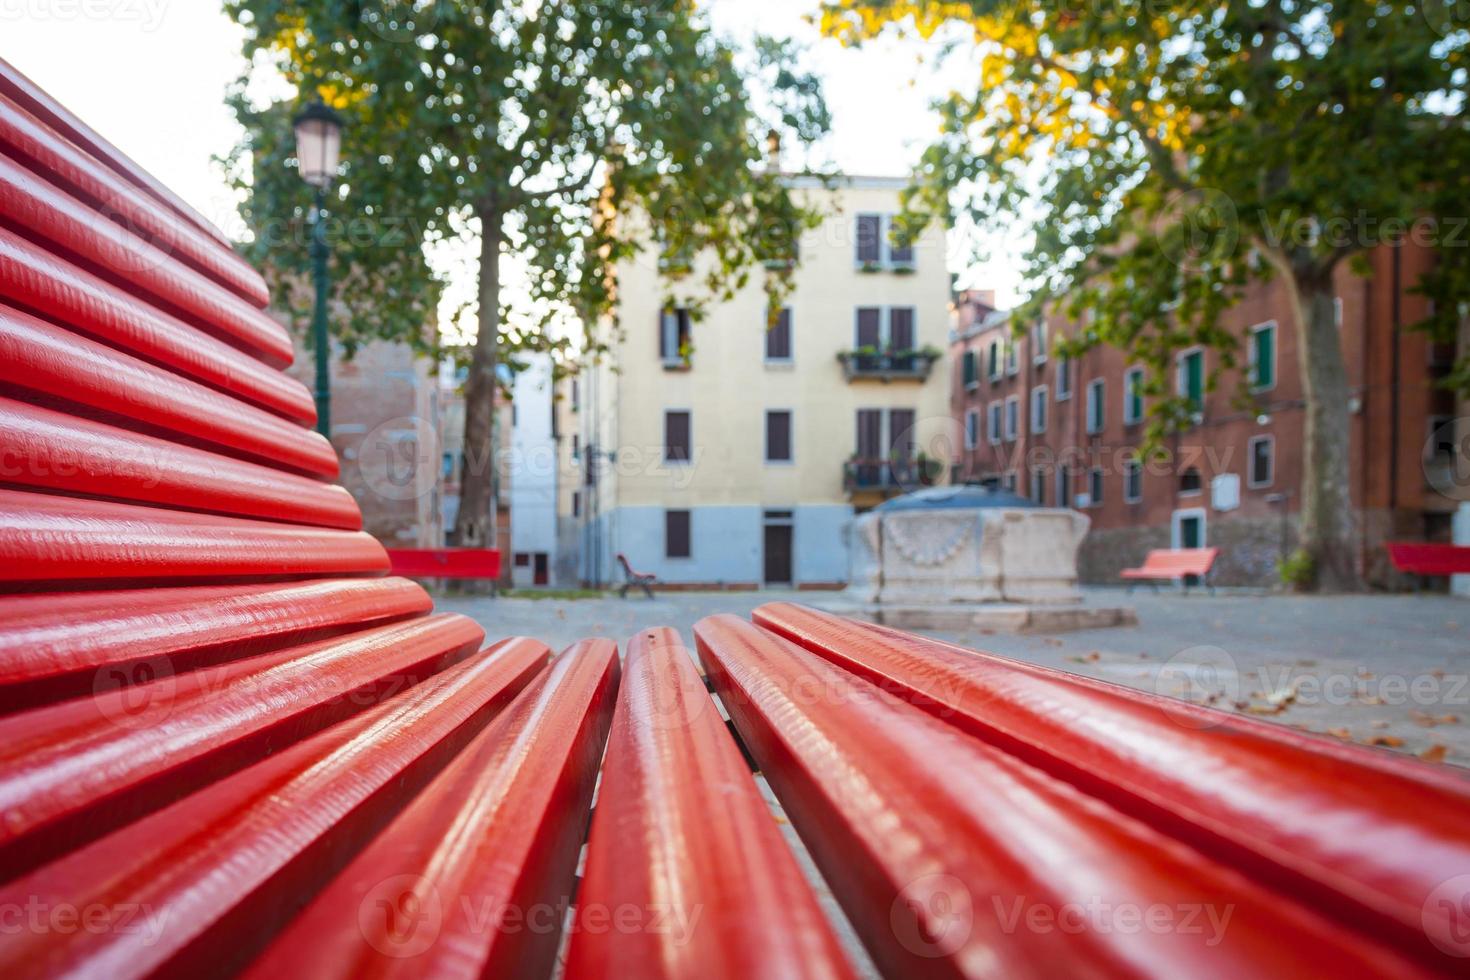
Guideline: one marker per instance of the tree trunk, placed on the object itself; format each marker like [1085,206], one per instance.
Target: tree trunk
[475,526]
[1328,529]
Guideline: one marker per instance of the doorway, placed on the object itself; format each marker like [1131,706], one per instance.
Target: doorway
[541,572]
[779,537]
[1188,531]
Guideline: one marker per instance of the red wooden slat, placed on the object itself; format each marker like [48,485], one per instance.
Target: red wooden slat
[27,94]
[1342,826]
[133,264]
[54,157]
[445,562]
[71,771]
[683,835]
[36,355]
[941,848]
[197,888]
[36,279]
[45,538]
[54,645]
[41,447]
[473,879]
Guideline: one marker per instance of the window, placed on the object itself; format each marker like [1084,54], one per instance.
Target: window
[576,503]
[972,429]
[869,239]
[1337,312]
[1010,481]
[576,395]
[1038,485]
[901,328]
[992,423]
[1038,409]
[1263,357]
[778,437]
[1095,486]
[1191,378]
[576,447]
[900,256]
[1133,481]
[1096,405]
[673,337]
[993,358]
[1064,486]
[1013,417]
[778,337]
[523,559]
[1133,396]
[1040,334]
[1190,482]
[1013,363]
[1262,461]
[869,327]
[1064,378]
[676,534]
[970,369]
[676,437]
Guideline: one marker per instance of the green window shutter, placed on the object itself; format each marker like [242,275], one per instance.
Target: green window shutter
[1194,379]
[970,368]
[1265,355]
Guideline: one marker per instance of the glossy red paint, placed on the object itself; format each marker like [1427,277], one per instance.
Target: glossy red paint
[46,152]
[683,834]
[133,264]
[1341,827]
[45,538]
[208,881]
[474,878]
[47,448]
[942,848]
[38,356]
[52,645]
[33,278]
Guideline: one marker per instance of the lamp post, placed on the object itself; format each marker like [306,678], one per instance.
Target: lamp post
[318,149]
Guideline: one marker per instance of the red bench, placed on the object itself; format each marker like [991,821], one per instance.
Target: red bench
[229,744]
[634,579]
[1173,565]
[465,563]
[1420,558]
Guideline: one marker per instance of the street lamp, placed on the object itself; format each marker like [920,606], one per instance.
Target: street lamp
[318,148]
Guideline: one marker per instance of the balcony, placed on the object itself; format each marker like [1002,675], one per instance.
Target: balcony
[875,480]
[885,366]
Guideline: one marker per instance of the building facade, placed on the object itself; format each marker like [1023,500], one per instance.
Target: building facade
[531,484]
[732,452]
[1066,432]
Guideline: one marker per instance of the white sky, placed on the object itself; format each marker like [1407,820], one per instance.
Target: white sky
[150,75]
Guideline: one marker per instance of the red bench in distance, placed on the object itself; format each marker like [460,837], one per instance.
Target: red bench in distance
[471,563]
[1174,565]
[1421,558]
[635,579]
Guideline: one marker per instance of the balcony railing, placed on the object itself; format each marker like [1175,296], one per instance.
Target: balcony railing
[908,365]
[889,476]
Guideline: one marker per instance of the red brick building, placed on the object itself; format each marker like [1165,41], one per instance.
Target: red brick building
[1066,431]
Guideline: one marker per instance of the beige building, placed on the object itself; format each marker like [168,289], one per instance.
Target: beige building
[725,454]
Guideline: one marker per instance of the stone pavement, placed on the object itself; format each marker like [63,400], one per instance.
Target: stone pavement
[1386,669]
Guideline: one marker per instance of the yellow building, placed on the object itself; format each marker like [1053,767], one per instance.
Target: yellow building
[724,454]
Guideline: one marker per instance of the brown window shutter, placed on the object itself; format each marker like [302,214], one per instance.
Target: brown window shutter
[676,437]
[778,436]
[868,327]
[869,243]
[778,338]
[677,534]
[901,328]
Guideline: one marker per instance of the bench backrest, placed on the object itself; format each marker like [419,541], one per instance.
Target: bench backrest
[1422,558]
[1181,561]
[473,563]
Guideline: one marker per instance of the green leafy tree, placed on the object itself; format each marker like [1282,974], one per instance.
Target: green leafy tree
[1168,152]
[531,128]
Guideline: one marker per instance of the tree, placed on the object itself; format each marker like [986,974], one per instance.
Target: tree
[1168,152]
[527,126]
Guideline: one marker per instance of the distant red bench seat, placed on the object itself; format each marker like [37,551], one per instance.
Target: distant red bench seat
[469,563]
[1173,564]
[1423,558]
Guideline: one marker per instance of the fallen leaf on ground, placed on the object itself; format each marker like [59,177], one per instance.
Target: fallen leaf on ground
[1370,699]
[1387,741]
[1435,753]
[1092,657]
[1265,709]
[1340,733]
